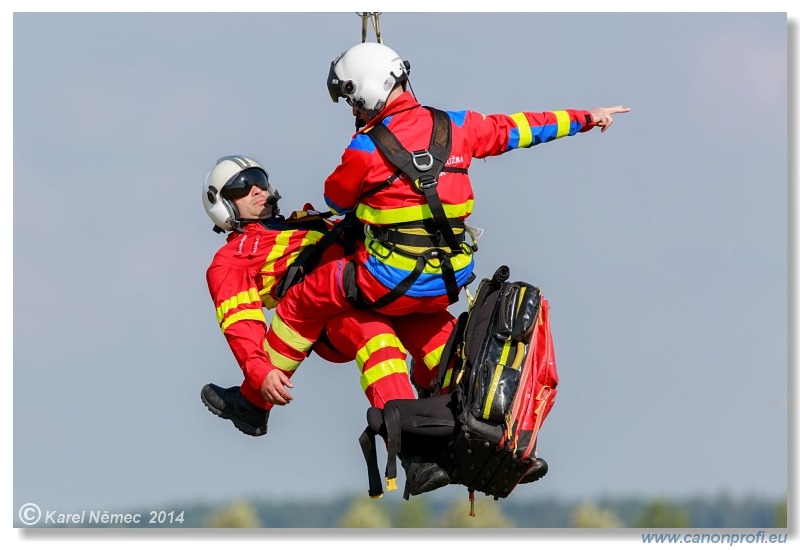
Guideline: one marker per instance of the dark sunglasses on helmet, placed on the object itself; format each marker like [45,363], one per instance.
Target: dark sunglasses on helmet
[240,186]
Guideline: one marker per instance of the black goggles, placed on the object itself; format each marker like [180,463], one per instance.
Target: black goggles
[240,186]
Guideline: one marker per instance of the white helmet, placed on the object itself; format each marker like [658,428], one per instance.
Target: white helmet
[365,75]
[234,173]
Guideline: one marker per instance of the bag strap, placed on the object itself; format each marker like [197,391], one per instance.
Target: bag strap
[367,441]
[449,356]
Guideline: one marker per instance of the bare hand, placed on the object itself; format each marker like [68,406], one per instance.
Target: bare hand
[273,389]
[602,115]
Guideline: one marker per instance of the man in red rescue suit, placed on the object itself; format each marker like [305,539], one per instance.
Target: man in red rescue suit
[246,274]
[413,193]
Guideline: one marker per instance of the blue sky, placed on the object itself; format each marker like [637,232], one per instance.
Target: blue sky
[661,244]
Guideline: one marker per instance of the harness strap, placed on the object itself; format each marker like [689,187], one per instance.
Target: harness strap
[402,234]
[355,296]
[391,179]
[311,255]
[423,169]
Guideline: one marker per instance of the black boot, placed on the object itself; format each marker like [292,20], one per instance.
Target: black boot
[537,471]
[422,477]
[232,405]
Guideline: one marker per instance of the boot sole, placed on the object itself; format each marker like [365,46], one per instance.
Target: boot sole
[241,426]
[534,478]
[431,486]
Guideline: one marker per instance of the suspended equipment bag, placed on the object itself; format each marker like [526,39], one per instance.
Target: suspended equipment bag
[496,384]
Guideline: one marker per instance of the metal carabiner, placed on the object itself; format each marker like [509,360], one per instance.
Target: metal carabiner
[373,16]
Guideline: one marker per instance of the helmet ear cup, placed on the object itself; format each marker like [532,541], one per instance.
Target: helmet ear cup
[211,194]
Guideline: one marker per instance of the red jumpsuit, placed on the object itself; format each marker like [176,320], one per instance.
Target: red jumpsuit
[242,279]
[358,183]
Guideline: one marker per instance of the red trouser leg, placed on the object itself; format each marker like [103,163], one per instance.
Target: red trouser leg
[381,358]
[425,335]
[254,396]
[301,315]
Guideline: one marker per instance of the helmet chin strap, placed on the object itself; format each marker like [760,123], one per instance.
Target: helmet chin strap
[359,123]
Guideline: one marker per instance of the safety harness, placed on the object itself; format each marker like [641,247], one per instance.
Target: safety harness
[438,238]
[344,232]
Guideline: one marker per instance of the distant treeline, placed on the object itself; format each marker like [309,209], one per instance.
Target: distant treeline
[427,511]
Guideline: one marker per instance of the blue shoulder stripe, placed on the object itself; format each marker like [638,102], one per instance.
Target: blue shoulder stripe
[362,143]
[458,117]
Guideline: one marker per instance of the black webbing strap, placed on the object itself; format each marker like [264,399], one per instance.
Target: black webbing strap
[423,168]
[393,430]
[367,441]
[311,255]
[355,296]
[403,234]
[448,356]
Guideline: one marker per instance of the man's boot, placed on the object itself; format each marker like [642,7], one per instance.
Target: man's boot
[537,471]
[422,477]
[232,405]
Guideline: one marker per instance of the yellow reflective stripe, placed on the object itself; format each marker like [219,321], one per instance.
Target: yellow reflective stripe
[374,344]
[432,359]
[382,370]
[492,390]
[563,123]
[278,250]
[280,361]
[289,335]
[252,314]
[244,297]
[405,263]
[389,216]
[447,376]
[268,283]
[521,296]
[525,135]
[504,352]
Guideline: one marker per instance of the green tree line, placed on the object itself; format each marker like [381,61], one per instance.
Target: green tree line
[426,511]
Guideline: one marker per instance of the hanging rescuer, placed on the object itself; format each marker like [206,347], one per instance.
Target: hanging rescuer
[405,172]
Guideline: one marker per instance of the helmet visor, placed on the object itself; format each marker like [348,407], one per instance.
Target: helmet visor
[241,184]
[334,85]
[339,88]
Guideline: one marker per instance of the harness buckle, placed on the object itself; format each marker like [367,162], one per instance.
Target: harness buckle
[422,160]
[379,235]
[426,182]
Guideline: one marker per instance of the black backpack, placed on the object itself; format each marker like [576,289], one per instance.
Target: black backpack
[496,384]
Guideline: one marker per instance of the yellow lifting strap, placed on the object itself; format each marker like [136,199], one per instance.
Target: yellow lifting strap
[370,16]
